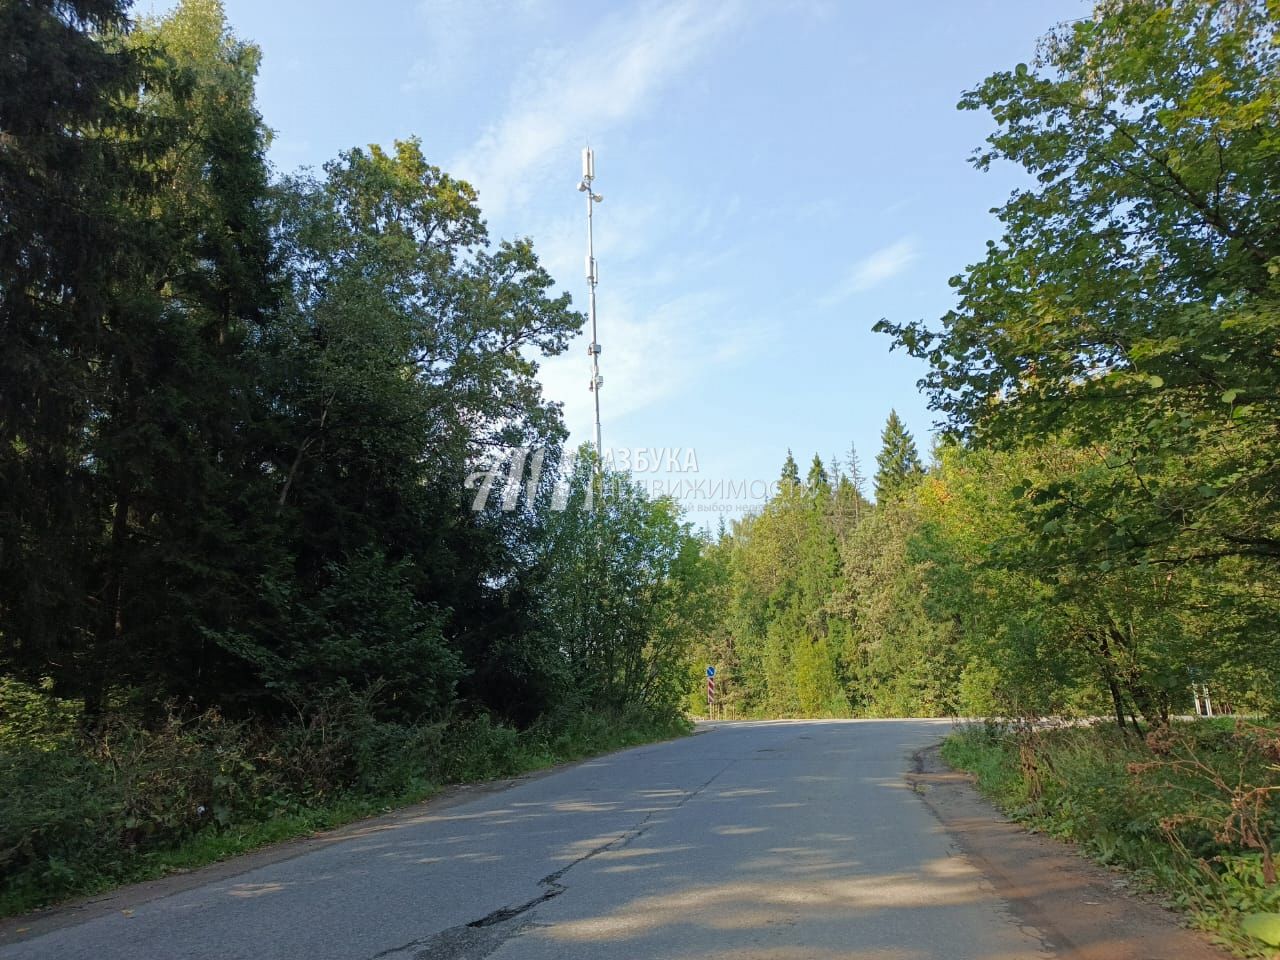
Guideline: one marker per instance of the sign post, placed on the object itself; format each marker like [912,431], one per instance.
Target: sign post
[711,689]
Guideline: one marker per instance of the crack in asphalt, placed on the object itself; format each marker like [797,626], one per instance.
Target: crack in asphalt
[480,938]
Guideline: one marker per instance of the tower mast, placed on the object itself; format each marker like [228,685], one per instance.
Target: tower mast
[593,277]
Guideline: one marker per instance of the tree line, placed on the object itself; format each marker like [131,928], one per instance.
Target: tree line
[238,407]
[243,573]
[1099,525]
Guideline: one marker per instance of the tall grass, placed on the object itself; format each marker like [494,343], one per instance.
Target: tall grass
[1190,809]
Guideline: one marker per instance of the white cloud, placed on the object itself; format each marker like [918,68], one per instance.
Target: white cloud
[643,360]
[571,93]
[585,86]
[456,32]
[873,270]
[667,314]
[649,355]
[626,231]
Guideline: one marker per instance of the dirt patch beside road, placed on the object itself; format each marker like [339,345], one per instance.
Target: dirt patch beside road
[1084,910]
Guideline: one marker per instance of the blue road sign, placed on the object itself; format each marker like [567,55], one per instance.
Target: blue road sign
[711,671]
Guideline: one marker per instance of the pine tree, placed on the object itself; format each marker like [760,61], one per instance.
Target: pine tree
[898,463]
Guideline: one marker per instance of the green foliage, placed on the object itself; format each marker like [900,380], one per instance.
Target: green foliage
[790,472]
[82,809]
[135,800]
[1168,808]
[1132,302]
[898,462]
[31,717]
[242,581]
[621,582]
[1109,531]
[1263,926]
[242,480]
[777,646]
[403,316]
[902,659]
[984,752]
[364,629]
[63,191]
[949,598]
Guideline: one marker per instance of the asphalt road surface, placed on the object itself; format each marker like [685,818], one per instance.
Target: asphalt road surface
[780,840]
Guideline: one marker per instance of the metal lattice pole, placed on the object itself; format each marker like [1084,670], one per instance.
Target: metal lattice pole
[593,278]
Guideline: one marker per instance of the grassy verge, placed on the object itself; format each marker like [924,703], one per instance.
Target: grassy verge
[1190,810]
[82,815]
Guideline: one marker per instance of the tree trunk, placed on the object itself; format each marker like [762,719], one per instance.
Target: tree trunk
[108,638]
[1109,675]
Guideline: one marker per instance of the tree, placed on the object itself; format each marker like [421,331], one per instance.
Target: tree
[62,237]
[853,469]
[237,416]
[236,406]
[773,616]
[898,462]
[790,471]
[623,588]
[1130,313]
[1100,519]
[1133,300]
[901,658]
[849,503]
[180,478]
[1062,636]
[714,642]
[818,481]
[143,270]
[405,357]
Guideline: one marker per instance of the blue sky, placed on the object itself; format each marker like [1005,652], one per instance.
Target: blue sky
[777,177]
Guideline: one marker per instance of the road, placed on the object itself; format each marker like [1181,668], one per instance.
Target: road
[781,840]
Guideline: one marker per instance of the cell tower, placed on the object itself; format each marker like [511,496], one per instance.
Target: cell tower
[593,277]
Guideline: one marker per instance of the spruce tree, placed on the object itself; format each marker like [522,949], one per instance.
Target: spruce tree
[898,462]
[856,476]
[850,504]
[818,481]
[790,472]
[62,246]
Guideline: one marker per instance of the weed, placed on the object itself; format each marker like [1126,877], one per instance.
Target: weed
[1191,810]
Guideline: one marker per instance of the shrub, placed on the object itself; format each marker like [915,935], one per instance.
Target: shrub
[79,812]
[1192,808]
[32,717]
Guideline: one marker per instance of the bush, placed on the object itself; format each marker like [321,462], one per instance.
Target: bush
[480,749]
[33,717]
[1192,808]
[337,745]
[58,822]
[79,813]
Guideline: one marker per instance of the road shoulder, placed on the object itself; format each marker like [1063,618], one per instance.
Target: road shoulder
[1082,908]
